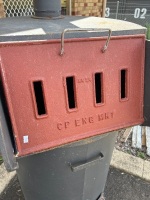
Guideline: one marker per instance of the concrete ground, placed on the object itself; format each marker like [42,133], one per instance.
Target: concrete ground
[120,186]
[123,186]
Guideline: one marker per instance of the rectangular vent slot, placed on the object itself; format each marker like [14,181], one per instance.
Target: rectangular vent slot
[123,83]
[39,97]
[71,92]
[99,87]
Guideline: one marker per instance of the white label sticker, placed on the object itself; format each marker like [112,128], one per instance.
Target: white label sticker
[25,139]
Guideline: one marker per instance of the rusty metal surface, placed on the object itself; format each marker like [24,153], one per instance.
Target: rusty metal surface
[23,64]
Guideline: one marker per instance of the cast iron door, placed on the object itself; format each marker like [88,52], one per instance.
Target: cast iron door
[54,100]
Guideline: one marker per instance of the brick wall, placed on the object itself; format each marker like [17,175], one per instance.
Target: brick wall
[79,7]
[87,7]
[2,13]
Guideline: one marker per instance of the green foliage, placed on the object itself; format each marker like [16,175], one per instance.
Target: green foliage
[148,31]
[129,151]
[1,158]
[141,155]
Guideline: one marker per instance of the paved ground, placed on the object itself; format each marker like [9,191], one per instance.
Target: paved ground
[120,186]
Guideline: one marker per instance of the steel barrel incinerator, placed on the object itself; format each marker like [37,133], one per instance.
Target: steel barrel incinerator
[67,86]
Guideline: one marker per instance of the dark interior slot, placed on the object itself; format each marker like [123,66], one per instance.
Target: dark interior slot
[38,91]
[71,92]
[98,198]
[98,87]
[123,84]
